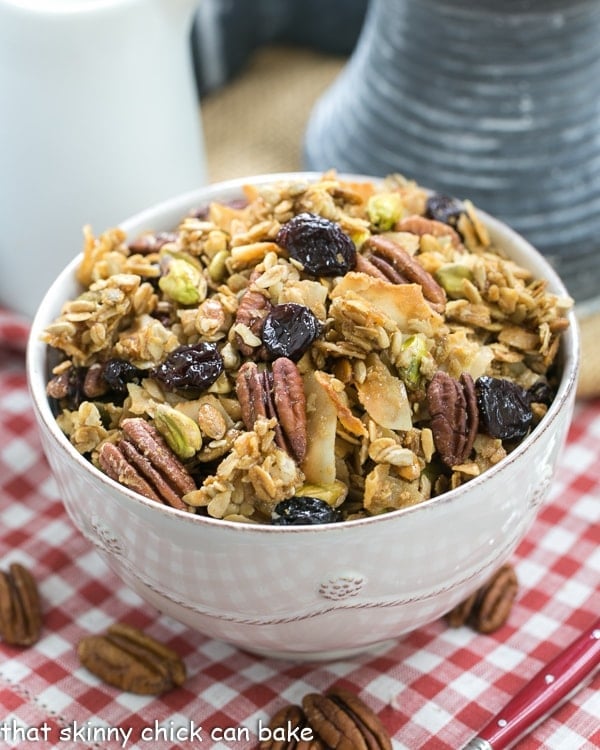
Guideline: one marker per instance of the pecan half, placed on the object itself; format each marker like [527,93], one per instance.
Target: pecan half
[422,225]
[276,393]
[344,722]
[253,308]
[452,405]
[20,611]
[151,243]
[126,658]
[290,404]
[489,607]
[379,268]
[144,462]
[289,730]
[94,384]
[400,267]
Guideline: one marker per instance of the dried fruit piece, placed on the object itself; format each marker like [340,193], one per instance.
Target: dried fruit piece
[126,658]
[489,607]
[289,329]
[118,372]
[190,369]
[20,611]
[541,393]
[444,208]
[454,417]
[504,408]
[320,245]
[304,510]
[344,722]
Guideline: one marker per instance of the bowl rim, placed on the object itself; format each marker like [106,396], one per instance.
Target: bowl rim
[36,359]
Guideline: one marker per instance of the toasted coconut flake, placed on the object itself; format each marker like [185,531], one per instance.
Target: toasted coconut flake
[384,396]
[402,303]
[336,392]
[321,422]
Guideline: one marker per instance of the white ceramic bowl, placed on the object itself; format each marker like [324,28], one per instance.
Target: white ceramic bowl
[314,591]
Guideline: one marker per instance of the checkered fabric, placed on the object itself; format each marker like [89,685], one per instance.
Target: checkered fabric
[433,689]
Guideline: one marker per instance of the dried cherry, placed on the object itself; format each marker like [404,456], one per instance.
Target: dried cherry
[191,369]
[298,511]
[321,245]
[444,208]
[288,330]
[504,408]
[541,392]
[118,372]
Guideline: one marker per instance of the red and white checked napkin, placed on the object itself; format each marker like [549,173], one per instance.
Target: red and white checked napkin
[434,689]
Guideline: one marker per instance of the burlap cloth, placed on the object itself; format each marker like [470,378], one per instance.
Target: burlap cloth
[255,124]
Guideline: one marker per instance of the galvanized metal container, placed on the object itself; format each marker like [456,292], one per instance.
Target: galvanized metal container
[495,101]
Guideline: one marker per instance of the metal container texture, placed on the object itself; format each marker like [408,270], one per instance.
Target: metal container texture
[499,102]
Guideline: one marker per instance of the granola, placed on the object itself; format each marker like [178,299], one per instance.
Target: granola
[314,335]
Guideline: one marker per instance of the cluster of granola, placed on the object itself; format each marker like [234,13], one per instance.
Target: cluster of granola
[358,345]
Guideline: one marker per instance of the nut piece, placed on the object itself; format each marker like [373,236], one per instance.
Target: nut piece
[94,384]
[180,432]
[422,225]
[379,268]
[182,281]
[20,612]
[489,607]
[130,660]
[344,722]
[454,416]
[278,393]
[151,243]
[290,405]
[143,462]
[386,254]
[288,730]
[253,308]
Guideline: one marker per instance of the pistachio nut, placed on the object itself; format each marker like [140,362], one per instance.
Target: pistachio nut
[181,433]
[412,351]
[450,276]
[384,210]
[217,267]
[183,282]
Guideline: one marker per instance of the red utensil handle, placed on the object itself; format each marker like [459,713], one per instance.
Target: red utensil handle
[551,686]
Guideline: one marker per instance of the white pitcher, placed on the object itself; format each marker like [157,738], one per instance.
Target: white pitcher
[99,118]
